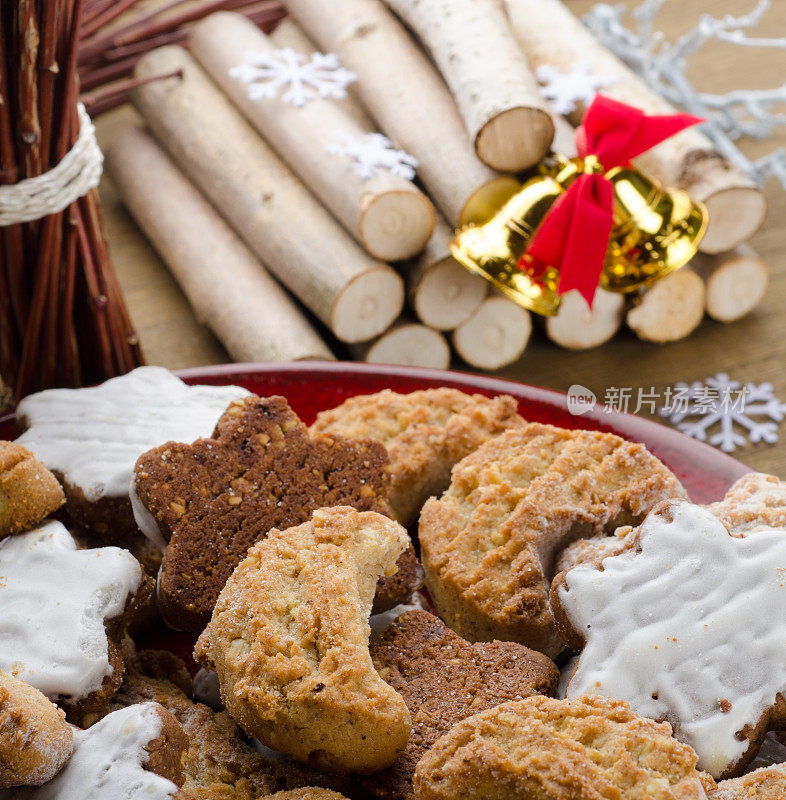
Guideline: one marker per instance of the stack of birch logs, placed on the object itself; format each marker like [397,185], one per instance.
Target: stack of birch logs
[261,224]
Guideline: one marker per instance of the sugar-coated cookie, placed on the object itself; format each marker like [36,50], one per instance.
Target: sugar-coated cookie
[543,749]
[756,500]
[215,498]
[28,490]
[767,783]
[289,642]
[489,544]
[35,739]
[687,627]
[91,438]
[132,753]
[425,432]
[444,679]
[64,613]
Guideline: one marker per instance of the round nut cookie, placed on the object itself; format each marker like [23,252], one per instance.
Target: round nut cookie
[35,739]
[489,544]
[425,433]
[543,749]
[308,793]
[767,783]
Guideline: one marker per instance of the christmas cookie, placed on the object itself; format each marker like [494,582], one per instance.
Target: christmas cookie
[64,613]
[544,749]
[215,498]
[767,783]
[131,753]
[687,627]
[91,438]
[28,490]
[488,545]
[289,642]
[425,432]
[35,739]
[444,679]
[756,500]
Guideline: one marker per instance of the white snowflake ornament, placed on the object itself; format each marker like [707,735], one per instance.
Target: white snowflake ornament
[301,78]
[697,407]
[565,91]
[372,153]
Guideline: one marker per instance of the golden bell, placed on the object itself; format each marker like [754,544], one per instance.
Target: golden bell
[656,231]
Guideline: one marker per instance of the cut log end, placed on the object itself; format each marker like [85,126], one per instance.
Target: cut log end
[735,215]
[396,225]
[487,200]
[671,310]
[447,295]
[577,327]
[737,282]
[515,139]
[495,335]
[410,345]
[368,305]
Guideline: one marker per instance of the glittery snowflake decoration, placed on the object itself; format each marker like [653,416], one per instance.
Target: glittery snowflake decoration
[301,78]
[565,91]
[664,65]
[697,407]
[372,153]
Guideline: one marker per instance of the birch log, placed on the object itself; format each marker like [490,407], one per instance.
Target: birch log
[302,245]
[229,290]
[495,335]
[407,98]
[497,94]
[390,217]
[289,34]
[408,344]
[577,327]
[671,309]
[442,292]
[736,282]
[550,34]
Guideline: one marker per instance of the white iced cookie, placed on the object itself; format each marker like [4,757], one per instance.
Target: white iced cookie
[111,761]
[54,603]
[92,438]
[690,629]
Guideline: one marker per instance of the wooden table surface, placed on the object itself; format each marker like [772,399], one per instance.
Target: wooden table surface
[753,349]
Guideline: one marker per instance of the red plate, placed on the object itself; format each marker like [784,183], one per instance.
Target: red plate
[313,386]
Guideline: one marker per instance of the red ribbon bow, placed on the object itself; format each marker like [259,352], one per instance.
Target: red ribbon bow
[574,234]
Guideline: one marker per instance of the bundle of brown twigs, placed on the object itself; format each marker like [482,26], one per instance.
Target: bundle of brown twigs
[117,33]
[62,317]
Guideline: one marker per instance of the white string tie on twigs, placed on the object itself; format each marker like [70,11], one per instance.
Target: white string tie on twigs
[77,173]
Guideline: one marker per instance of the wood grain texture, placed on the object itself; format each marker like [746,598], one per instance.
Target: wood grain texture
[753,349]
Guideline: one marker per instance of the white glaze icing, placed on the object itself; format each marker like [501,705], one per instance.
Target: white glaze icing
[108,761]
[378,622]
[693,619]
[145,520]
[93,437]
[53,603]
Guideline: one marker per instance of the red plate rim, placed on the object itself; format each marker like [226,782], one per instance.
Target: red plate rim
[705,471]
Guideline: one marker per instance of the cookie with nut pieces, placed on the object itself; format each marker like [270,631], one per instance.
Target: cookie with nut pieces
[444,679]
[289,642]
[426,433]
[35,739]
[29,492]
[545,749]
[215,498]
[488,545]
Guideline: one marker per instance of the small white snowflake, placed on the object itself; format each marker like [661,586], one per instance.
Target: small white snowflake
[304,78]
[725,402]
[565,90]
[373,153]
